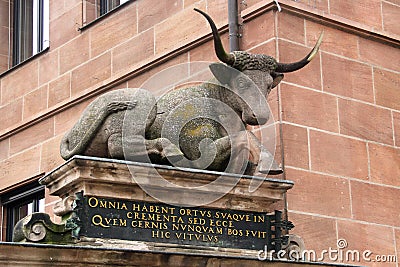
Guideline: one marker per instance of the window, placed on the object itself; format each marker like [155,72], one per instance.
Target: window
[94,9]
[27,24]
[30,28]
[19,203]
[107,5]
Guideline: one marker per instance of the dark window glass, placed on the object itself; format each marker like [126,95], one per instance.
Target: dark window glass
[94,9]
[29,29]
[108,5]
[20,203]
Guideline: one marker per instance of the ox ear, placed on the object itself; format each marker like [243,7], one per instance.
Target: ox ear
[277,78]
[222,72]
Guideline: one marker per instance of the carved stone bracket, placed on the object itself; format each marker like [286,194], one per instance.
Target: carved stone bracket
[38,228]
[114,184]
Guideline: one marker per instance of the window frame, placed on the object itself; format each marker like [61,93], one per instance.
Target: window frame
[108,5]
[11,202]
[24,47]
[99,17]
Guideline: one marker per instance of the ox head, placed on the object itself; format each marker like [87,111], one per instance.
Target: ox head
[256,75]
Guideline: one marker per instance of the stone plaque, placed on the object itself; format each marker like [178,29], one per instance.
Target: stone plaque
[161,223]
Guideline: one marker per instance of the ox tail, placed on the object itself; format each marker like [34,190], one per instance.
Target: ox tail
[79,148]
[77,140]
[86,135]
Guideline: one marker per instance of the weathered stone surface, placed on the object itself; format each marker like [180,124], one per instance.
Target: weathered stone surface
[38,227]
[51,255]
[201,127]
[83,181]
[107,177]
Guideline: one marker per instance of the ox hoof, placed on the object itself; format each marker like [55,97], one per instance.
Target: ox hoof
[268,164]
[273,172]
[274,169]
[172,153]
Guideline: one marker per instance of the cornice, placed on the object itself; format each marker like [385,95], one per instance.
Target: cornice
[323,18]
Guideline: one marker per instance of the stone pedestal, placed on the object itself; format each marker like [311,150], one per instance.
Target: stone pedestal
[115,204]
[119,179]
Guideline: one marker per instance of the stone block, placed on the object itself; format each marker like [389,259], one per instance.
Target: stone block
[386,88]
[74,53]
[375,203]
[376,126]
[168,38]
[144,78]
[335,41]
[66,26]
[152,12]
[391,14]
[396,124]
[338,155]
[20,82]
[4,149]
[384,164]
[59,89]
[65,120]
[362,237]
[318,194]
[35,102]
[379,54]
[92,72]
[50,154]
[290,27]
[137,49]
[295,146]
[257,31]
[17,168]
[367,12]
[309,108]
[317,232]
[347,78]
[48,66]
[32,136]
[114,30]
[11,114]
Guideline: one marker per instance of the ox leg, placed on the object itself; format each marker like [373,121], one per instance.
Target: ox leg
[232,159]
[163,149]
[261,159]
[246,143]
[137,148]
[131,148]
[267,163]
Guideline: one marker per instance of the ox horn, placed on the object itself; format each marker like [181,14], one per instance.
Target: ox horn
[289,67]
[219,48]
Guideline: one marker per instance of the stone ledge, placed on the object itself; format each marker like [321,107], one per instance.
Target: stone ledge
[108,178]
[56,255]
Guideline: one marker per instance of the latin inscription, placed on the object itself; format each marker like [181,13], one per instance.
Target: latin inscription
[158,222]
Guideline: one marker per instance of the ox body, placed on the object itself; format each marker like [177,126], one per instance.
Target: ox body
[189,127]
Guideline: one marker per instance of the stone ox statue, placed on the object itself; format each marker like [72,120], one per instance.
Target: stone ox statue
[128,123]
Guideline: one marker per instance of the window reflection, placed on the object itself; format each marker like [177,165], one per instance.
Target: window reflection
[27,25]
